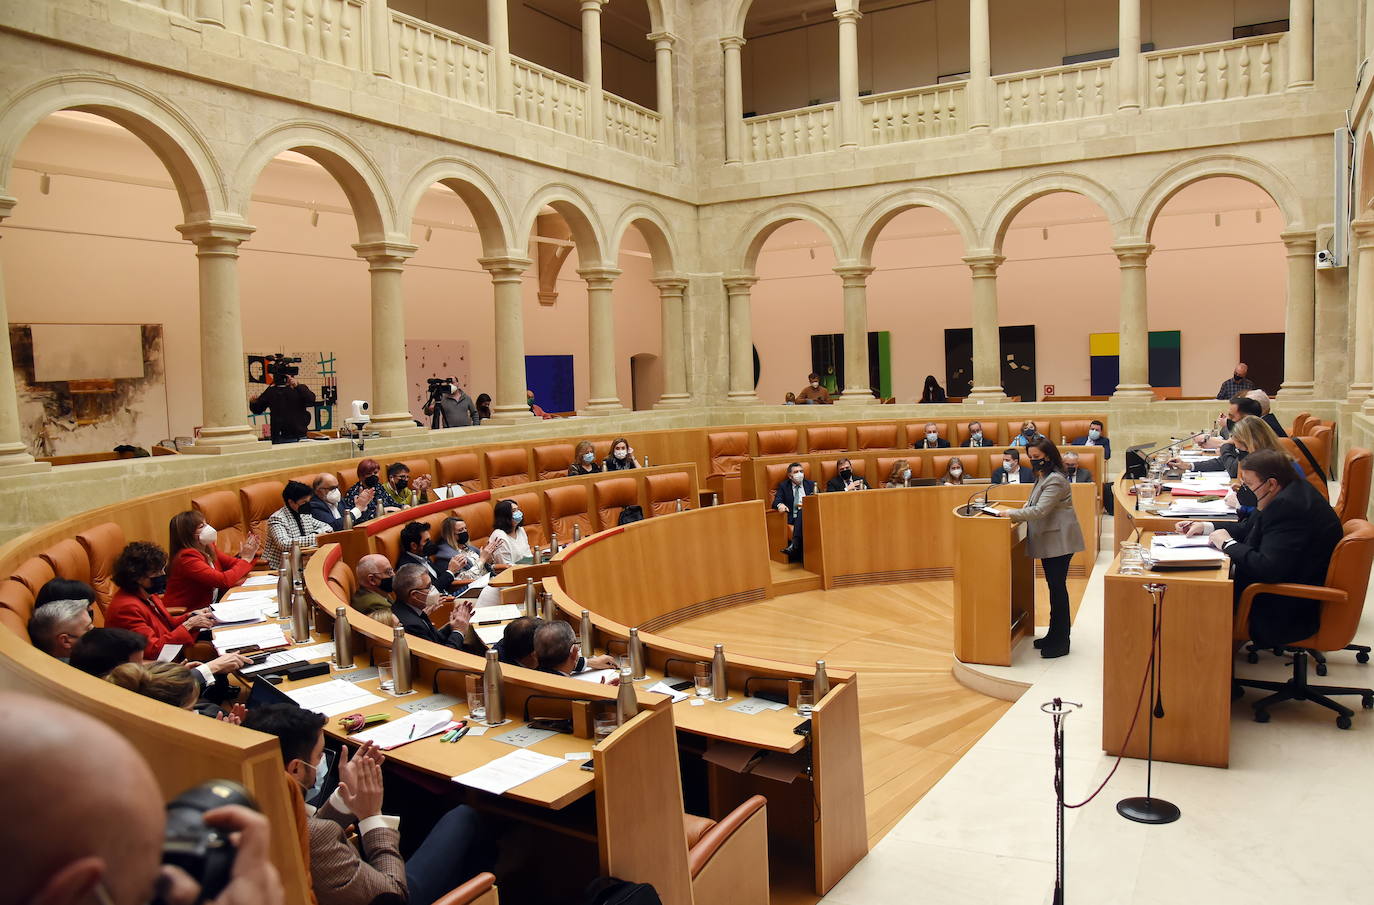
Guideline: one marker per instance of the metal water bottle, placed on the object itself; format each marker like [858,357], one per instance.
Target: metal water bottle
[626,705]
[284,591]
[348,520]
[296,576]
[577,533]
[584,634]
[531,604]
[715,499]
[637,670]
[343,639]
[820,685]
[300,615]
[646,461]
[547,610]
[680,506]
[553,545]
[491,690]
[400,662]
[719,689]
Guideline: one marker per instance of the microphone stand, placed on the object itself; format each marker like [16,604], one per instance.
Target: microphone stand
[1150,809]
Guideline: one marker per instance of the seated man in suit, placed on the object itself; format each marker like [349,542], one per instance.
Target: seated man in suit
[1012,471]
[845,479]
[558,651]
[416,596]
[1094,437]
[1075,474]
[327,503]
[457,848]
[54,628]
[787,499]
[931,439]
[375,575]
[102,649]
[516,647]
[1236,409]
[975,435]
[1267,416]
[416,549]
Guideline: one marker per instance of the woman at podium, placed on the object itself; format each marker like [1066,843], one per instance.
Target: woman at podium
[1052,536]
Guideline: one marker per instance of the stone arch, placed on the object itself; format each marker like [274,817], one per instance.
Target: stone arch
[734,21]
[882,211]
[754,235]
[654,229]
[1364,197]
[1173,180]
[576,209]
[471,185]
[169,133]
[1026,191]
[351,166]
[660,17]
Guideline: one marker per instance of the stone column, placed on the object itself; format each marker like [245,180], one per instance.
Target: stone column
[856,388]
[849,77]
[14,456]
[224,404]
[1362,370]
[1300,322]
[979,67]
[734,101]
[379,37]
[502,78]
[741,340]
[663,76]
[670,293]
[1128,57]
[1299,44]
[591,68]
[987,337]
[508,405]
[603,398]
[210,12]
[1133,382]
[390,405]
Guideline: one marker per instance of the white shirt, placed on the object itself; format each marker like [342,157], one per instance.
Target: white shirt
[1013,476]
[506,549]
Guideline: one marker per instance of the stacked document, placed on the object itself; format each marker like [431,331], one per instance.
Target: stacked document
[411,728]
[260,580]
[1186,557]
[1161,541]
[505,773]
[264,637]
[243,611]
[1198,509]
[291,657]
[333,697]
[503,613]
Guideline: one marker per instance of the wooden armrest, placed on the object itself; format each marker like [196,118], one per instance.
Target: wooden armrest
[711,841]
[1241,625]
[469,891]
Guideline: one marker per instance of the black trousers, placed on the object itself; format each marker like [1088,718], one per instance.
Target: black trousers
[1057,580]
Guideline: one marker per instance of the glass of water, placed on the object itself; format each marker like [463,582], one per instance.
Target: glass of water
[477,705]
[702,684]
[388,682]
[1132,559]
[805,702]
[604,724]
[1145,492]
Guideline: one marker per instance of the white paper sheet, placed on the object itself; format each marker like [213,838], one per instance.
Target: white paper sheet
[263,580]
[1188,556]
[333,697]
[489,634]
[503,613]
[1168,541]
[264,636]
[662,688]
[505,773]
[168,653]
[294,655]
[410,728]
[598,676]
[241,611]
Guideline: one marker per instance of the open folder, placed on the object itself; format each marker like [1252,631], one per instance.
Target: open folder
[412,728]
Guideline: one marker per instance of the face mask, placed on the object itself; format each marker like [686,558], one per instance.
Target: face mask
[1040,464]
[206,535]
[453,389]
[931,436]
[976,435]
[1094,433]
[321,769]
[517,516]
[846,474]
[797,477]
[371,480]
[402,482]
[158,585]
[589,458]
[385,583]
[1028,431]
[815,384]
[429,548]
[462,537]
[906,474]
[621,453]
[1007,466]
[300,506]
[432,598]
[333,497]
[1237,376]
[1246,497]
[955,472]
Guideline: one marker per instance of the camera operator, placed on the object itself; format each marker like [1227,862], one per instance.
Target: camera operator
[452,404]
[288,401]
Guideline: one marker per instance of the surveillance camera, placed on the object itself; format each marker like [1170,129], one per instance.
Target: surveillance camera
[360,409]
[1325,260]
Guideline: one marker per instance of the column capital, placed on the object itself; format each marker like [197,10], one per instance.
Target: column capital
[222,236]
[984,265]
[7,203]
[848,15]
[739,283]
[599,277]
[505,267]
[854,276]
[1299,241]
[1132,253]
[1363,229]
[732,41]
[663,40]
[593,6]
[670,286]
[385,255]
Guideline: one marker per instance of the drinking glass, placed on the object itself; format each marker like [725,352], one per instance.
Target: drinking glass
[805,701]
[1132,559]
[477,705]
[604,724]
[1145,492]
[388,682]
[703,685]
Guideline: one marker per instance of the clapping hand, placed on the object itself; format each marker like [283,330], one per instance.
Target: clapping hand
[364,498]
[360,780]
[250,548]
[460,617]
[423,483]
[234,716]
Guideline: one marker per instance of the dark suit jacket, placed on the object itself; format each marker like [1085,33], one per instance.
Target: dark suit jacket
[1290,540]
[443,578]
[940,443]
[980,443]
[1273,422]
[1103,443]
[999,475]
[417,623]
[1080,476]
[1228,460]
[787,495]
[320,510]
[836,484]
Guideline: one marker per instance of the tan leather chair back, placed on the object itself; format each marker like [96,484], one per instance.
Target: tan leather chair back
[1088,459]
[780,442]
[388,542]
[1349,572]
[884,464]
[68,560]
[1353,502]
[567,506]
[776,473]
[33,573]
[343,580]
[552,461]
[1314,447]
[829,438]
[613,495]
[506,467]
[15,623]
[916,433]
[1299,426]
[602,450]
[103,544]
[830,468]
[875,436]
[16,597]
[534,523]
[1071,429]
[417,468]
[258,502]
[224,513]
[664,490]
[479,518]
[461,469]
[727,450]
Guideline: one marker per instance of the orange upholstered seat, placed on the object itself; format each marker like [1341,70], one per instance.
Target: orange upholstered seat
[567,506]
[552,461]
[664,491]
[506,467]
[830,438]
[259,501]
[224,513]
[103,544]
[461,469]
[875,436]
[778,442]
[612,496]
[532,506]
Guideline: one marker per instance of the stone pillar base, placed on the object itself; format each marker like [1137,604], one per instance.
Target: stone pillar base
[395,424]
[1367,407]
[737,397]
[517,415]
[13,469]
[857,396]
[986,394]
[601,407]
[673,401]
[1133,392]
[214,441]
[1292,389]
[1358,393]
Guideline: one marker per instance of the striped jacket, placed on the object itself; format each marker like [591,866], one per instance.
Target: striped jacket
[342,876]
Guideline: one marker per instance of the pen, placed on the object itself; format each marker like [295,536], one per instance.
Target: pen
[462,732]
[412,730]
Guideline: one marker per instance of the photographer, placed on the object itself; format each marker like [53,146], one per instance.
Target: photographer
[288,401]
[449,405]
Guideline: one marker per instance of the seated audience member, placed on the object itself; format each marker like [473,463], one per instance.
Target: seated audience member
[374,592]
[516,647]
[1266,415]
[56,627]
[900,475]
[292,522]
[975,435]
[1012,471]
[1289,538]
[931,391]
[402,490]
[813,393]
[326,505]
[845,479]
[464,560]
[457,848]
[381,501]
[86,838]
[1238,383]
[1094,437]
[102,649]
[790,399]
[1026,435]
[1075,474]
[170,683]
[931,439]
[558,651]
[787,499]
[64,589]
[198,569]
[140,573]
[622,457]
[1237,408]
[416,596]
[508,544]
[1249,435]
[416,550]
[584,460]
[483,407]
[954,471]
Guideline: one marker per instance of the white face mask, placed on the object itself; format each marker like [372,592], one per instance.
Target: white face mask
[955,472]
[321,771]
[1094,433]
[815,384]
[621,453]
[797,477]
[207,534]
[432,598]
[1007,466]
[333,497]
[976,435]
[906,474]
[931,436]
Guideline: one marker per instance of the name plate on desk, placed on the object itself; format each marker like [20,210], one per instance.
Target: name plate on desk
[433,702]
[523,737]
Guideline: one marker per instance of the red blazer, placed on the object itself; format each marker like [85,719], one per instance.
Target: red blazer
[191,580]
[149,617]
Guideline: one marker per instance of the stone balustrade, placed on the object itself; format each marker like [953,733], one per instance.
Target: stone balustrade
[913,114]
[1054,95]
[792,133]
[545,98]
[634,129]
[435,59]
[1250,67]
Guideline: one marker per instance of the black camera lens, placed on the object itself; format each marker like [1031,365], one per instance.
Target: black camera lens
[204,852]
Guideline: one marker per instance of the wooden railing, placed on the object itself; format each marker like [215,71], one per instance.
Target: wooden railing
[1054,95]
[545,98]
[792,133]
[438,60]
[633,128]
[913,114]
[1250,67]
[330,30]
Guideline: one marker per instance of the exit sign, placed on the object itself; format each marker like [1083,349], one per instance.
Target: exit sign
[1049,390]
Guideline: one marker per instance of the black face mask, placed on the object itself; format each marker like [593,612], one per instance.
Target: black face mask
[402,483]
[1246,497]
[463,538]
[430,548]
[158,585]
[385,584]
[1040,464]
[846,475]
[1029,432]
[371,481]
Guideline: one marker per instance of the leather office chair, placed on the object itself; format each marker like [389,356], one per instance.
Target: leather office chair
[875,436]
[533,508]
[780,442]
[663,492]
[567,507]
[727,452]
[723,856]
[1342,604]
[506,467]
[1353,503]
[1299,426]
[828,439]
[552,461]
[461,469]
[224,513]
[102,544]
[258,501]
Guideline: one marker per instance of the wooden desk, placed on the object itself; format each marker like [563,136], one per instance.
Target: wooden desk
[1127,519]
[994,588]
[1196,654]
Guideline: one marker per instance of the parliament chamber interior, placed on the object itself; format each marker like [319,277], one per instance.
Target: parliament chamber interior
[686,451]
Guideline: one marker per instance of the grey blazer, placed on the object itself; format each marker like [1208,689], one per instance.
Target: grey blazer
[1051,524]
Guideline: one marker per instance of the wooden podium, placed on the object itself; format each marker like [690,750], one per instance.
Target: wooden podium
[994,588]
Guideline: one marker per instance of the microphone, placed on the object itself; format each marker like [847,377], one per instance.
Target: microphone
[969,509]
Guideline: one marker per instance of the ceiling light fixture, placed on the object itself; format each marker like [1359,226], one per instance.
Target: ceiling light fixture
[1045,233]
[1216,219]
[429,233]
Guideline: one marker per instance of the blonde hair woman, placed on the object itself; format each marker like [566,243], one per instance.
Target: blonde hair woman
[900,475]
